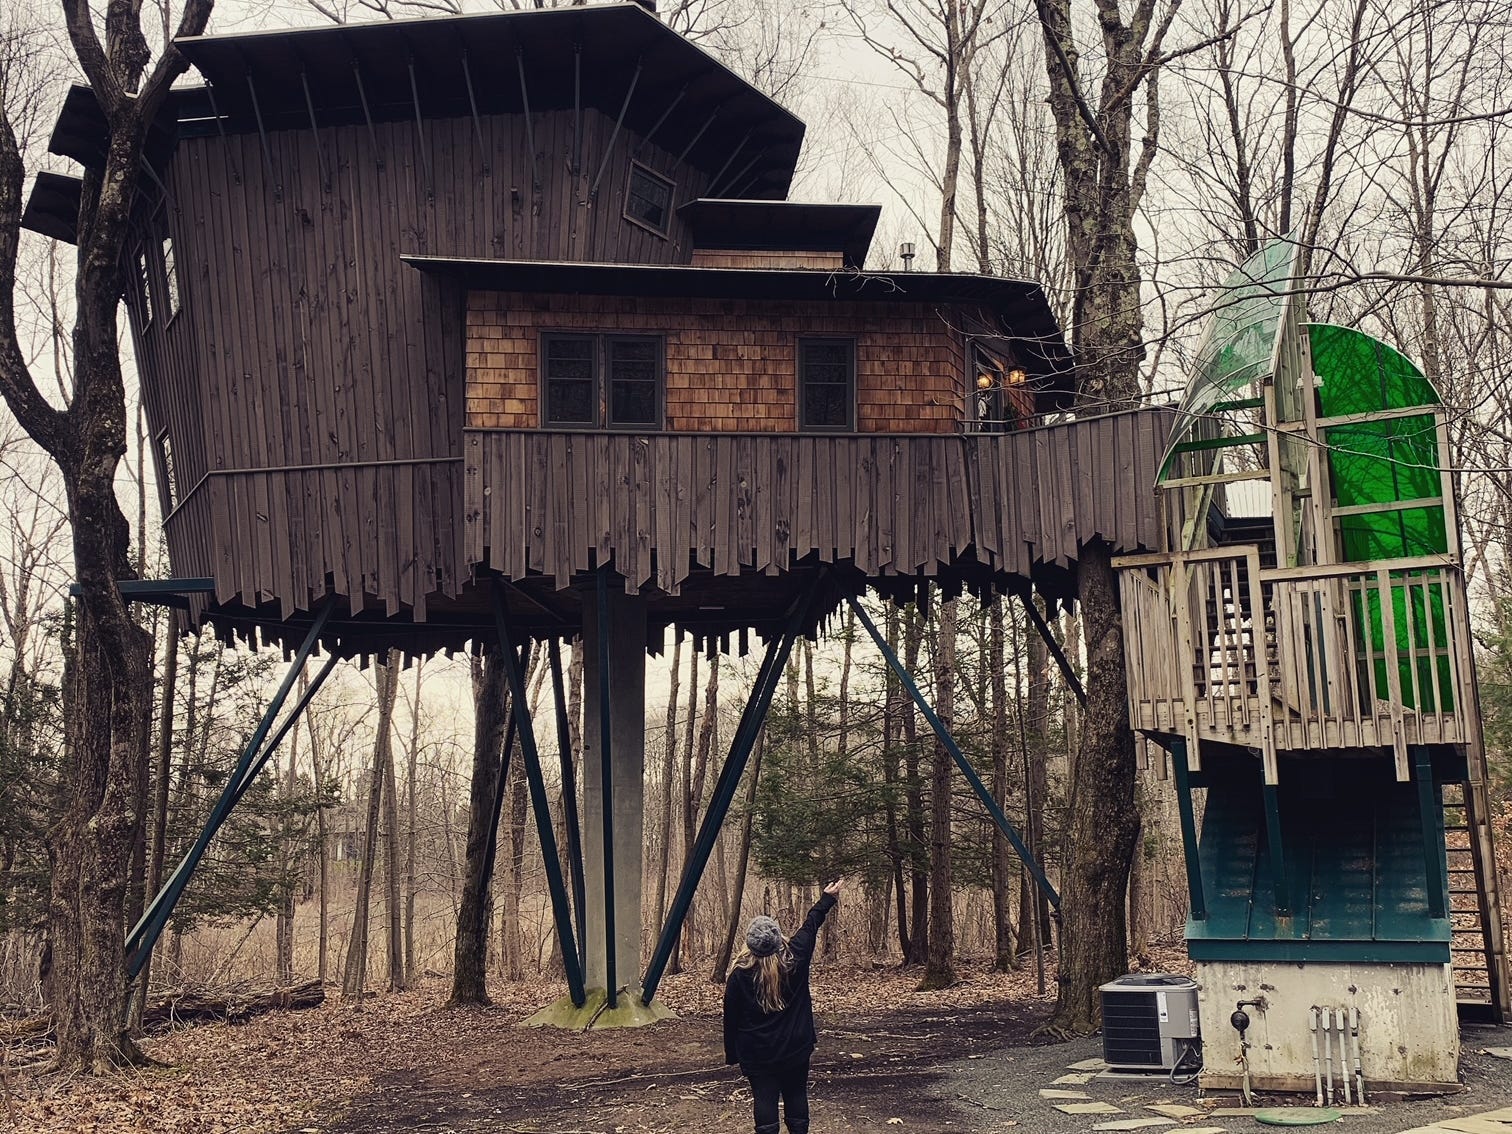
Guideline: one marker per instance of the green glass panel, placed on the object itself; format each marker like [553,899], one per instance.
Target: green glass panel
[1359,374]
[1387,462]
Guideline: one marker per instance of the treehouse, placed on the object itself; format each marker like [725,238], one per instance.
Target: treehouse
[502,328]
[1301,647]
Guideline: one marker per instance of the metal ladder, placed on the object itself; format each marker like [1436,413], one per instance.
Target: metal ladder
[1477,946]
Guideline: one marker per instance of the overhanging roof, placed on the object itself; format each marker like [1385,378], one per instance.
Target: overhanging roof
[53,207]
[788,226]
[1021,305]
[80,131]
[683,92]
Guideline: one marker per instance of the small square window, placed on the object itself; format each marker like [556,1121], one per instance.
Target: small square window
[826,384]
[648,199]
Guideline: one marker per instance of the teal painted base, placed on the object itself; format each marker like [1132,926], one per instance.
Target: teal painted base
[1355,886]
[596,1014]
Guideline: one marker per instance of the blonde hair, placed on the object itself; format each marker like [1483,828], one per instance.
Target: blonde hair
[768,975]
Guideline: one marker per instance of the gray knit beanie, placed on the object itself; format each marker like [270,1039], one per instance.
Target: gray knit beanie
[764,937]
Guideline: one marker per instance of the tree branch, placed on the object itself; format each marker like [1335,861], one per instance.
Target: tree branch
[46,425]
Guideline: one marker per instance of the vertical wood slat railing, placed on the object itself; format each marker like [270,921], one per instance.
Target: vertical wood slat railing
[1336,656]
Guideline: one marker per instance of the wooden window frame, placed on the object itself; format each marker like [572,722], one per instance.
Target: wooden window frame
[169,470]
[850,382]
[167,263]
[601,341]
[640,167]
[141,269]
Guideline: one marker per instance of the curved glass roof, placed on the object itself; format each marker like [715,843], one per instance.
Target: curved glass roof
[1237,351]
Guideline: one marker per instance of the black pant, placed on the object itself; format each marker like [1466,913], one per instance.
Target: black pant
[790,1080]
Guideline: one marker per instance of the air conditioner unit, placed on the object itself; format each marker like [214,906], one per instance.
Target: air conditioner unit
[1150,1023]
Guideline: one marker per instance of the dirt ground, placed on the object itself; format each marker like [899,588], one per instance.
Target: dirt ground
[964,1060]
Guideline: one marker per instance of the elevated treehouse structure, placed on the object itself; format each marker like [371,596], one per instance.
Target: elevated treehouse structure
[1302,648]
[501,328]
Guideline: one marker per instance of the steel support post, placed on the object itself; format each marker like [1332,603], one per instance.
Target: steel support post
[491,847]
[1280,877]
[1178,751]
[1067,671]
[531,758]
[569,798]
[605,633]
[288,726]
[149,928]
[752,717]
[1009,831]
[1430,811]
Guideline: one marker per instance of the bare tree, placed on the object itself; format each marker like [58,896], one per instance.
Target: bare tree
[354,975]
[111,676]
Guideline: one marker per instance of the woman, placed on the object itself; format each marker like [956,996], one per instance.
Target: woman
[769,1017]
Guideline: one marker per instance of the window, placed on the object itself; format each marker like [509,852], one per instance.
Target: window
[998,394]
[648,199]
[826,384]
[593,381]
[144,288]
[170,279]
[169,474]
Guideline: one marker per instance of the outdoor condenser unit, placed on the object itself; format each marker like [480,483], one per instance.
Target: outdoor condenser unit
[1150,1023]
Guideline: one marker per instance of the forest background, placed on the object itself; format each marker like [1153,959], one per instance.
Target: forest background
[1375,131]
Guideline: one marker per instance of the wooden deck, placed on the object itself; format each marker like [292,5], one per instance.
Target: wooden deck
[1348,655]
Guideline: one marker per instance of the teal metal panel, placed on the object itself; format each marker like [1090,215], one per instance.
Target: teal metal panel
[1356,872]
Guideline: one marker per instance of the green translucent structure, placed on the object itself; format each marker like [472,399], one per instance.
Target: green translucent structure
[1382,469]
[1392,462]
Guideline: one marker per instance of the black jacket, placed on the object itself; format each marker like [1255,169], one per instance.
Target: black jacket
[758,1040]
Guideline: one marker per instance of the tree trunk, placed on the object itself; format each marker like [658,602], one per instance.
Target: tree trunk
[162,775]
[742,861]
[1032,902]
[695,798]
[411,974]
[1005,956]
[891,710]
[388,686]
[354,977]
[511,957]
[918,846]
[669,773]
[686,802]
[322,840]
[940,971]
[289,838]
[470,957]
[1102,821]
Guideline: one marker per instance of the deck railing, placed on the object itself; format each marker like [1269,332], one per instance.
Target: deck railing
[1351,655]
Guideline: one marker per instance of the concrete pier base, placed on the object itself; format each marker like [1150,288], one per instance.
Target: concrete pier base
[1409,1026]
[596,1013]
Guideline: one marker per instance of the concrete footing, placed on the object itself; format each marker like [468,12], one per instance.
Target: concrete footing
[1408,1023]
[596,1014]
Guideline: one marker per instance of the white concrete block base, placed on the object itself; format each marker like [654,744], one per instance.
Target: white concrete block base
[1409,1025]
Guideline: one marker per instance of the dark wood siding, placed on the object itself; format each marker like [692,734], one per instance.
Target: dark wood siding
[730,364]
[555,503]
[307,352]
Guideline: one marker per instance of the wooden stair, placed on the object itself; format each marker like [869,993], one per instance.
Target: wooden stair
[1478,946]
